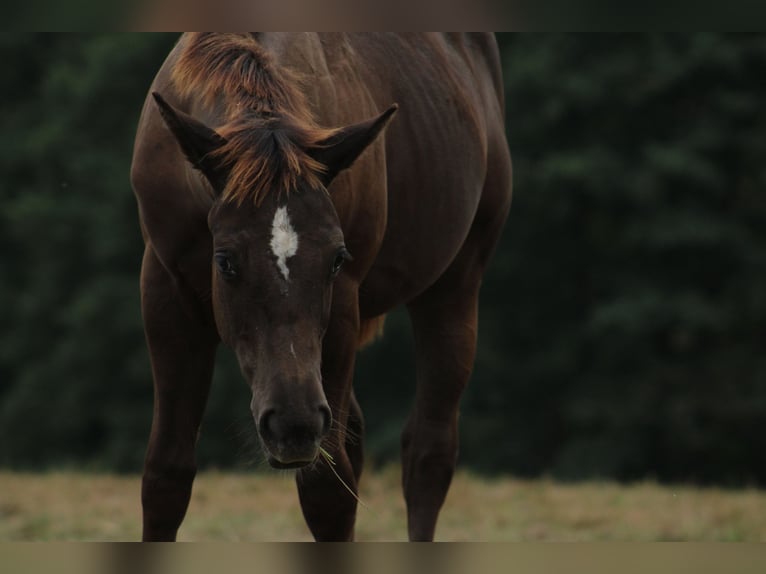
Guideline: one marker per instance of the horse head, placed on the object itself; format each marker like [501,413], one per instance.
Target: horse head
[278,248]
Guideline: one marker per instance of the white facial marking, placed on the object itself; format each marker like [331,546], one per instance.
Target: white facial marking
[284,240]
[292,350]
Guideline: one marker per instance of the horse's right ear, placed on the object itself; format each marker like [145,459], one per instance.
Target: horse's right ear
[196,140]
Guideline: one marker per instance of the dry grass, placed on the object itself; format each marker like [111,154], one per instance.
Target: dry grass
[264,507]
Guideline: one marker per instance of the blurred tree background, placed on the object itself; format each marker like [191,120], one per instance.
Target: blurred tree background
[622,323]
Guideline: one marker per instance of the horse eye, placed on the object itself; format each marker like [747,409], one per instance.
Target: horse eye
[340,257]
[224,265]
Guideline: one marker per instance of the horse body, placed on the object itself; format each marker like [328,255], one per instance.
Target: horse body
[416,220]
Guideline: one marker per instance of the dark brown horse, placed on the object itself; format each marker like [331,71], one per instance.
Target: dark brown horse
[259,235]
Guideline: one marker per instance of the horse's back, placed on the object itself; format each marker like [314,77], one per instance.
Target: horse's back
[448,166]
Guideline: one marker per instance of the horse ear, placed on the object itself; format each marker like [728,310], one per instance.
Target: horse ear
[196,140]
[338,151]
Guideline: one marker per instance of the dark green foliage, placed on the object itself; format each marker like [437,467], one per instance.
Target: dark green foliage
[72,359]
[622,320]
[625,309]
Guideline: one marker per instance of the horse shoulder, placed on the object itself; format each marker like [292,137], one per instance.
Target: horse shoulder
[172,201]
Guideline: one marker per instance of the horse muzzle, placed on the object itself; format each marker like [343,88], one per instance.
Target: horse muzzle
[293,441]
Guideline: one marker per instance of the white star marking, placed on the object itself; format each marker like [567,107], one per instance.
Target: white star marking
[284,240]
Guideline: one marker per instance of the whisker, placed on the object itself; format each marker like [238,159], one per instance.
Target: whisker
[249,450]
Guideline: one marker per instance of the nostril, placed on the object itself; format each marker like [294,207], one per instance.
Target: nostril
[267,425]
[326,415]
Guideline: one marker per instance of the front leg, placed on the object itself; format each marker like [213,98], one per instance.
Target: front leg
[182,349]
[328,506]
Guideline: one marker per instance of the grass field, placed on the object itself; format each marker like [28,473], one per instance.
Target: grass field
[264,507]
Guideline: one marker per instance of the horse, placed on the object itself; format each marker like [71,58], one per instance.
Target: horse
[292,189]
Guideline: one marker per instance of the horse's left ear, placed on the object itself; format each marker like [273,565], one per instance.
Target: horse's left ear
[340,150]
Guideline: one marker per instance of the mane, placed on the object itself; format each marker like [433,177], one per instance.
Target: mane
[268,123]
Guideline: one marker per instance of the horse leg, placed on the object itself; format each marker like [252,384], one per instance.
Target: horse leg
[327,505]
[182,352]
[445,341]
[444,320]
